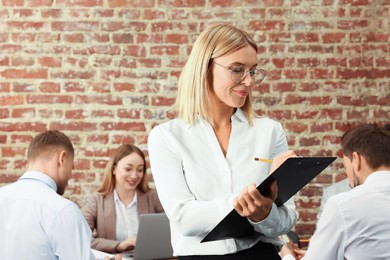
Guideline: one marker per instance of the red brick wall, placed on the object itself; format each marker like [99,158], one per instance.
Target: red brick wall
[105,72]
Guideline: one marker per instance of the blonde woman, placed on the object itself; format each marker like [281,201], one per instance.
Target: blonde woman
[113,212]
[203,161]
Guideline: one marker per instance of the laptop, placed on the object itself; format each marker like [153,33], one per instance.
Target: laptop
[153,238]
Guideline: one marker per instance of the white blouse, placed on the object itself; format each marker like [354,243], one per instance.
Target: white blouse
[127,221]
[196,183]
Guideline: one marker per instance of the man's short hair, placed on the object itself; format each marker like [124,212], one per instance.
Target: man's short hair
[49,141]
[370,141]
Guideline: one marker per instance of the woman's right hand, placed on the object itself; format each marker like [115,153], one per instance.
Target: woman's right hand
[126,245]
[280,159]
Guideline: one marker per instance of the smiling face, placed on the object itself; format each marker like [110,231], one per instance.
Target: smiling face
[129,172]
[225,92]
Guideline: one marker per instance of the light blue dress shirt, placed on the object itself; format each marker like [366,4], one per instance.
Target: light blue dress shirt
[196,183]
[38,224]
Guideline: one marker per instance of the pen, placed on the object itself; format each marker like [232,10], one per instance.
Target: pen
[263,160]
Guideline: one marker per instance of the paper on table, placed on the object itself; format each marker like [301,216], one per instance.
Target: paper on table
[99,254]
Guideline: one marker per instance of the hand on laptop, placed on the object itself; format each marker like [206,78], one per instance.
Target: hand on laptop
[126,245]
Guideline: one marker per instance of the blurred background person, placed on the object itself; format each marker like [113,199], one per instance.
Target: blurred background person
[113,211]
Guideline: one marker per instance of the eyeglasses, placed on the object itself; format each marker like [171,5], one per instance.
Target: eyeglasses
[238,73]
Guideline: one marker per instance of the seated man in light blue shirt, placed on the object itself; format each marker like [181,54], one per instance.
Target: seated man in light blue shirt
[36,222]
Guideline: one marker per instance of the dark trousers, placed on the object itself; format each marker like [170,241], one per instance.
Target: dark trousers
[260,251]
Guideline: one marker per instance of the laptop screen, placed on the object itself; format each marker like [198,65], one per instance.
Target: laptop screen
[153,238]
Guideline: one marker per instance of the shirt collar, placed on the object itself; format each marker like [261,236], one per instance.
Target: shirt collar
[117,200]
[375,176]
[42,177]
[237,116]
[240,116]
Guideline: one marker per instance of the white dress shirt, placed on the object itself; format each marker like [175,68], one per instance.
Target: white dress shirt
[355,224]
[331,190]
[38,224]
[127,221]
[196,183]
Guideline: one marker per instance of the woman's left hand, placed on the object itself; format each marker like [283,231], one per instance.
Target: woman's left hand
[253,205]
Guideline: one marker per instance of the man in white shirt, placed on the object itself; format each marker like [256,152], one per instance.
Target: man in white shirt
[331,190]
[356,224]
[36,222]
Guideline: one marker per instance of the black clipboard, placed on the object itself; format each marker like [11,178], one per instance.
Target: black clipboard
[291,177]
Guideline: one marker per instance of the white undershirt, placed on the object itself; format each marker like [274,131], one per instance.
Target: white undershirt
[126,218]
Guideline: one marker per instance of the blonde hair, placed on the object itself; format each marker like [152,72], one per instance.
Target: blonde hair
[195,79]
[122,151]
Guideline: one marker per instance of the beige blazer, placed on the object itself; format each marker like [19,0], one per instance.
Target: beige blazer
[99,211]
